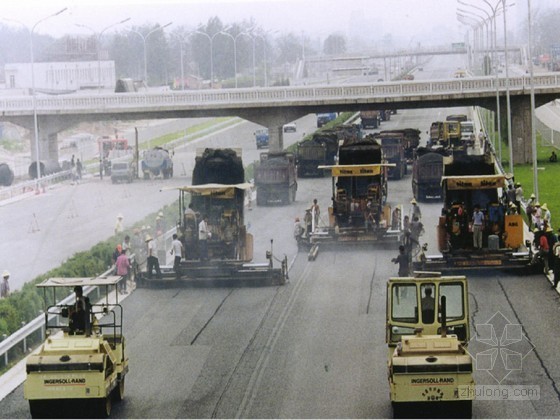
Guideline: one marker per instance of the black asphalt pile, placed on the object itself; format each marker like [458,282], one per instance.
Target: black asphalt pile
[219,166]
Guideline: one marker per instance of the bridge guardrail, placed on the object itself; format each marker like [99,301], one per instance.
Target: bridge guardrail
[229,98]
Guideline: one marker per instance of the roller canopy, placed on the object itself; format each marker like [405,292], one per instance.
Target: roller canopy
[80,281]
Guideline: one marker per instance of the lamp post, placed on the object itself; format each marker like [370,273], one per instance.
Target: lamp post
[492,42]
[33,98]
[211,40]
[98,45]
[144,38]
[474,26]
[263,37]
[533,127]
[234,39]
[35,119]
[508,103]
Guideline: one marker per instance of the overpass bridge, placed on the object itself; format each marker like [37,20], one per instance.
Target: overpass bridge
[275,106]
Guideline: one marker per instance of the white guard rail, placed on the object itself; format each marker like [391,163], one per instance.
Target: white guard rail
[230,98]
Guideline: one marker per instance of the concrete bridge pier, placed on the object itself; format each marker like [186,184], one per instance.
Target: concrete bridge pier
[49,127]
[274,120]
[521,134]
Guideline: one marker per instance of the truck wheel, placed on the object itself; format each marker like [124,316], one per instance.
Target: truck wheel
[104,407]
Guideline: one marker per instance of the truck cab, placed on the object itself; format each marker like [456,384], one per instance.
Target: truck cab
[427,333]
[122,170]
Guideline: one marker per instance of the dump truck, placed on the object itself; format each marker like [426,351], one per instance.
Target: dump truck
[112,147]
[156,162]
[218,192]
[276,178]
[370,119]
[393,145]
[427,170]
[123,169]
[411,142]
[82,365]
[359,214]
[429,369]
[325,118]
[469,181]
[320,149]
[262,138]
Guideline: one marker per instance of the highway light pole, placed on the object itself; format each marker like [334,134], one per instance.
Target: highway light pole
[533,127]
[211,40]
[98,46]
[144,38]
[263,37]
[234,39]
[35,118]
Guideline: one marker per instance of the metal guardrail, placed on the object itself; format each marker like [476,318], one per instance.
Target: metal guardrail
[34,184]
[20,336]
[231,98]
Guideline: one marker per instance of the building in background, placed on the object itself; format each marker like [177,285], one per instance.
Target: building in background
[61,77]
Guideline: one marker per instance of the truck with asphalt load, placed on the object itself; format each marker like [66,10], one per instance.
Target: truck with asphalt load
[427,170]
[320,149]
[370,119]
[469,181]
[276,178]
[393,145]
[218,192]
[82,364]
[430,371]
[156,162]
[359,213]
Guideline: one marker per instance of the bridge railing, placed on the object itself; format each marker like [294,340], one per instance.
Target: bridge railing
[257,96]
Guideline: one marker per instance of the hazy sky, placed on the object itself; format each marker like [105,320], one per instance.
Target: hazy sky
[406,18]
[412,20]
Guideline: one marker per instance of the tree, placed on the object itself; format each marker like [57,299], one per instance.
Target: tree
[289,49]
[334,44]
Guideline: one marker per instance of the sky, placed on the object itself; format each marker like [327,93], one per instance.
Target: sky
[412,22]
[403,18]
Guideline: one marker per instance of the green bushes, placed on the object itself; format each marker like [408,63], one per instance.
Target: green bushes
[24,305]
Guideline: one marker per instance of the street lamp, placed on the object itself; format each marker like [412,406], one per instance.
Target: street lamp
[144,38]
[211,39]
[495,11]
[533,127]
[33,98]
[234,39]
[35,119]
[98,45]
[263,37]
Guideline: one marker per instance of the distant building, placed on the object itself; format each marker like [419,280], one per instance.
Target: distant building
[61,77]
